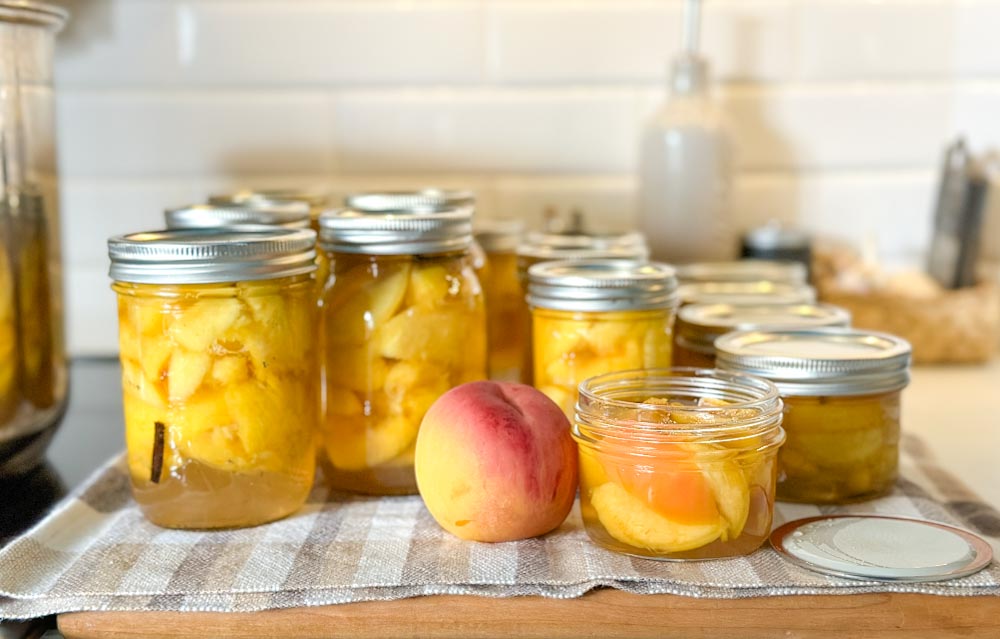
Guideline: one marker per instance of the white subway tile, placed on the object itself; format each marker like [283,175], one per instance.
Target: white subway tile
[126,133]
[147,42]
[632,41]
[486,130]
[852,39]
[893,208]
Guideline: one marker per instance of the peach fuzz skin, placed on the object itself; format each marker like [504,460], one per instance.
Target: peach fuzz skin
[495,461]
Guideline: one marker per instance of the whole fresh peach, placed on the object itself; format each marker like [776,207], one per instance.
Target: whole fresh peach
[495,461]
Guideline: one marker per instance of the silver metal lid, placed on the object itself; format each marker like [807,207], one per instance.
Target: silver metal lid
[745,293]
[294,215]
[207,256]
[743,271]
[264,198]
[36,13]
[499,235]
[881,548]
[698,325]
[422,201]
[601,285]
[556,245]
[400,233]
[822,361]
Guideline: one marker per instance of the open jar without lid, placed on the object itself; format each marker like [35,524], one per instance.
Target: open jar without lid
[678,463]
[842,390]
[698,325]
[403,322]
[597,316]
[219,373]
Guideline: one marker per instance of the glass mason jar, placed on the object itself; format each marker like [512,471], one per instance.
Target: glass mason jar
[403,322]
[749,270]
[316,203]
[699,325]
[219,372]
[289,215]
[746,293]
[547,247]
[678,463]
[591,317]
[841,389]
[504,297]
[33,376]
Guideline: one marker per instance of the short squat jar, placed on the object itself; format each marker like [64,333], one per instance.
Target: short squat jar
[678,463]
[751,270]
[403,322]
[841,389]
[219,374]
[598,316]
[746,293]
[699,325]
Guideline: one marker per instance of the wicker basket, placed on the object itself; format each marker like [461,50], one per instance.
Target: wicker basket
[959,326]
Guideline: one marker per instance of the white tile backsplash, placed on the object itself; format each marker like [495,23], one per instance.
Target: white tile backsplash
[839,108]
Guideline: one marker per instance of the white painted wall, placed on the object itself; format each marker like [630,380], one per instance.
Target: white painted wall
[839,108]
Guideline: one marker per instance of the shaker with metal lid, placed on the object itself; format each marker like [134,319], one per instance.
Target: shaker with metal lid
[219,372]
[33,375]
[591,317]
[841,389]
[403,322]
[698,325]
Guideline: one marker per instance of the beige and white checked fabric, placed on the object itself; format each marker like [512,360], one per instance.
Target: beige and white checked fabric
[96,552]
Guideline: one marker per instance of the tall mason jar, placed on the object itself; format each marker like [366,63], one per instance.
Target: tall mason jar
[33,379]
[403,322]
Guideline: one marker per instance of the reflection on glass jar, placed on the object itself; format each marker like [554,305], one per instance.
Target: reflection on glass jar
[678,463]
[598,316]
[219,373]
[404,321]
[841,389]
[33,376]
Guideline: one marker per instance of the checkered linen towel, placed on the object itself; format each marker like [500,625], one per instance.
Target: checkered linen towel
[96,552]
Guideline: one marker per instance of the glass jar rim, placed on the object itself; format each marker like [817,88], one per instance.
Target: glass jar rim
[750,393]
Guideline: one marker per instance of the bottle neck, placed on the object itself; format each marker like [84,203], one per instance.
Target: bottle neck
[689,75]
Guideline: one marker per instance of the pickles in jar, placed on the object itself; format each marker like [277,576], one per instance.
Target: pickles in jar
[220,380]
[694,480]
[597,316]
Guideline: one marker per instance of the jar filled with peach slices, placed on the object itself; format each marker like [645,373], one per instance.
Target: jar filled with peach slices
[678,463]
[403,322]
[591,317]
[841,389]
[219,372]
[499,238]
[577,245]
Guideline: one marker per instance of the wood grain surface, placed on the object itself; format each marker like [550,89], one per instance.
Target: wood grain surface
[601,613]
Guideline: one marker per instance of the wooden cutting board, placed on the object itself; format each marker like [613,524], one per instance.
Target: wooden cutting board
[601,613]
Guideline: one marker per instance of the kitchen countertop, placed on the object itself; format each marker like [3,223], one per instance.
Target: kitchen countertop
[950,408]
